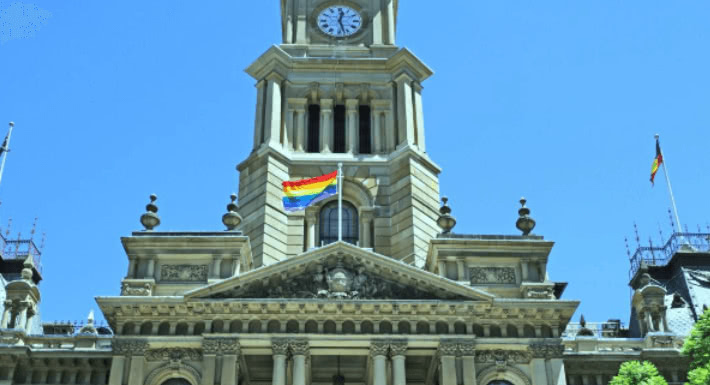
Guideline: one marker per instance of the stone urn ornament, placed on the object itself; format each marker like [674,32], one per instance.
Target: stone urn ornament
[150,219]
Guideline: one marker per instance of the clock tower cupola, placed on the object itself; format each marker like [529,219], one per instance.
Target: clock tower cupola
[339,90]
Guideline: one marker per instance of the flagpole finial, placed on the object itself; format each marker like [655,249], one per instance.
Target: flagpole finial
[12,124]
[656,136]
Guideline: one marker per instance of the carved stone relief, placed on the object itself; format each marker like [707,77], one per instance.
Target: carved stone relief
[183,273]
[546,350]
[173,354]
[503,356]
[338,282]
[129,347]
[492,275]
[220,346]
[139,290]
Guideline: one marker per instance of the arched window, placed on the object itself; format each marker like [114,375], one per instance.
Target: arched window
[176,381]
[500,382]
[329,223]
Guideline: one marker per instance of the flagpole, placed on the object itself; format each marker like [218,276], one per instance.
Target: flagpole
[6,149]
[340,202]
[670,189]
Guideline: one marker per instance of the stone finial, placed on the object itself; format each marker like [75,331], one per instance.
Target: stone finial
[12,124]
[27,272]
[89,328]
[446,221]
[232,219]
[524,223]
[150,218]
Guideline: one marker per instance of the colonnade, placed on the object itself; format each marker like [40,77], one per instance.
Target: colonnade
[395,122]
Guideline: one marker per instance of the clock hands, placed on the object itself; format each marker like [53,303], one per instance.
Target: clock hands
[340,22]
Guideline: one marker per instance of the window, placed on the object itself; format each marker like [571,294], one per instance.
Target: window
[329,223]
[339,129]
[176,381]
[365,131]
[500,382]
[313,144]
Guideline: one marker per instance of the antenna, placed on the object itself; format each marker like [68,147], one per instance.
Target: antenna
[9,225]
[34,228]
[628,252]
[660,232]
[41,245]
[650,248]
[636,231]
[670,218]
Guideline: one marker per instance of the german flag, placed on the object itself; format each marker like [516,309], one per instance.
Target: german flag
[657,162]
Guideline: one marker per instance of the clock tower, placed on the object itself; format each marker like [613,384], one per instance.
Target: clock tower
[339,90]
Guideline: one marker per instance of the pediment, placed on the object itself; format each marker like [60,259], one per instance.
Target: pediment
[340,271]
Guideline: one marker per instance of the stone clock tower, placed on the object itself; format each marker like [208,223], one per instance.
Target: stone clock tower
[338,89]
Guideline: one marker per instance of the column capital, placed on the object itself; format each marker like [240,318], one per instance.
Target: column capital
[417,86]
[298,104]
[448,348]
[279,346]
[299,347]
[403,77]
[326,105]
[260,84]
[398,348]
[275,77]
[311,214]
[379,348]
[352,104]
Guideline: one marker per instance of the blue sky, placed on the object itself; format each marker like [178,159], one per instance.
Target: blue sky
[554,100]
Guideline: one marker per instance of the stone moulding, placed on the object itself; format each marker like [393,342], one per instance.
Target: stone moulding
[173,370]
[492,275]
[183,273]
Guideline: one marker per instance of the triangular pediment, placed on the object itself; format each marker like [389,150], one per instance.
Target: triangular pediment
[340,271]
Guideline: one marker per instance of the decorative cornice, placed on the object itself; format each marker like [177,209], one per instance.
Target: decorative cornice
[221,346]
[546,350]
[173,354]
[129,347]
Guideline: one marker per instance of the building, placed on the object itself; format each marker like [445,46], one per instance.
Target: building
[278,299]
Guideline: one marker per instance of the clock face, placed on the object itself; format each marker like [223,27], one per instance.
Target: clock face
[339,21]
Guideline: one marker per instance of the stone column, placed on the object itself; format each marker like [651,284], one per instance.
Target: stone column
[351,126]
[378,352]
[259,115]
[230,368]
[217,266]
[133,350]
[525,269]
[272,115]
[399,374]
[299,349]
[389,15]
[377,29]
[311,216]
[6,314]
[447,356]
[405,111]
[366,216]
[326,125]
[419,116]
[150,273]
[280,351]
[468,361]
[132,268]
[288,138]
[300,140]
[390,129]
[442,268]
[460,268]
[21,319]
[377,132]
[553,354]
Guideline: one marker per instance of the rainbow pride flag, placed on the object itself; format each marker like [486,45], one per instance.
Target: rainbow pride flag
[302,193]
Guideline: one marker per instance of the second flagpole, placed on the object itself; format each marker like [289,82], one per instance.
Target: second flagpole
[670,189]
[340,202]
[6,149]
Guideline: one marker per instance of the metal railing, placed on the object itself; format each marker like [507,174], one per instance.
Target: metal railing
[20,249]
[660,255]
[600,329]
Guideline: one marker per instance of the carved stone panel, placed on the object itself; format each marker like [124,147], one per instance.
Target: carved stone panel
[492,275]
[503,356]
[129,347]
[173,354]
[183,273]
[220,346]
[547,350]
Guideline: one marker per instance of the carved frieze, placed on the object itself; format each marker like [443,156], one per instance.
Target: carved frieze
[129,347]
[183,273]
[173,354]
[546,350]
[138,290]
[503,356]
[456,348]
[220,346]
[492,275]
